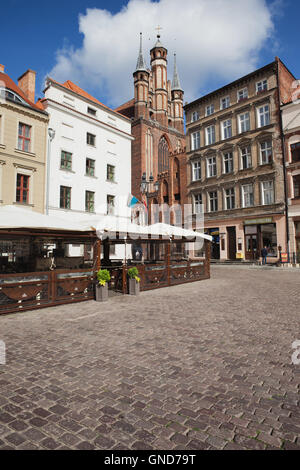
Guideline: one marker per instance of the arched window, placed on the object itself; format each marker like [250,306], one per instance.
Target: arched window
[149,154]
[163,155]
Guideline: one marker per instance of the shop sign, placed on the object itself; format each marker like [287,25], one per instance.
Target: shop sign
[284,258]
[266,220]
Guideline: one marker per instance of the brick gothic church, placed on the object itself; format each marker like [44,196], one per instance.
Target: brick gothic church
[156,111]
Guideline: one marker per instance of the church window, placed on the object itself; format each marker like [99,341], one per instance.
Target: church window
[163,155]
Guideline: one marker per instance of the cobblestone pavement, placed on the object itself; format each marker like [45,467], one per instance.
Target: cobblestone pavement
[205,365]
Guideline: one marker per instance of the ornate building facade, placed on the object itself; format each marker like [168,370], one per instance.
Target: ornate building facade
[236,165]
[156,112]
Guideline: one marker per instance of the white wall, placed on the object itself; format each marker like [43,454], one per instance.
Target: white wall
[71,122]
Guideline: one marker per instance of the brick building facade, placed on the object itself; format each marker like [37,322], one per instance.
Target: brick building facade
[236,164]
[156,111]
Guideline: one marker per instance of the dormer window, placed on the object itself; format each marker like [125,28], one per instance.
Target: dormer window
[11,96]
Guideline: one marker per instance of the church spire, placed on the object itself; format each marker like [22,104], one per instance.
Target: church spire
[176,81]
[141,65]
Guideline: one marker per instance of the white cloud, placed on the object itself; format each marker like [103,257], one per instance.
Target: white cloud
[213,39]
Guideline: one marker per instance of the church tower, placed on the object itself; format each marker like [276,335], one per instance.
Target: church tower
[156,112]
[177,100]
[141,85]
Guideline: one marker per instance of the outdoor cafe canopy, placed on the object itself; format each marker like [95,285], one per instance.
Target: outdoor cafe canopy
[14,217]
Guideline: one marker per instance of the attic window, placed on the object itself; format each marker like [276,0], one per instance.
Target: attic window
[91,111]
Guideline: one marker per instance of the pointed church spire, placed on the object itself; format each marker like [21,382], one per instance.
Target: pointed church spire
[176,81]
[141,65]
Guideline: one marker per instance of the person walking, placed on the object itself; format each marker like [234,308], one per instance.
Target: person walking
[264,254]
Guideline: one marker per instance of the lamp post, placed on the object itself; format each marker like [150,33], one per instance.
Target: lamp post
[146,187]
[51,135]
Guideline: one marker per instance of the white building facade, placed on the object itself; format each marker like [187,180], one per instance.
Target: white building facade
[291,129]
[89,158]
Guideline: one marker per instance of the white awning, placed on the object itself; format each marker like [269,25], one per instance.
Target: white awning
[19,217]
[106,226]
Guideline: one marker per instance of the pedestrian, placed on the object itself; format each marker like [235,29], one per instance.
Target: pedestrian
[264,254]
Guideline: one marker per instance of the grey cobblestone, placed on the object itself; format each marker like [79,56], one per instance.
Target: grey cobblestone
[199,366]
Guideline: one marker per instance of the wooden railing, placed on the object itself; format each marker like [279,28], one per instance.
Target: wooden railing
[26,291]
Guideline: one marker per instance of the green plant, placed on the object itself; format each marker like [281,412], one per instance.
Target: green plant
[103,276]
[133,273]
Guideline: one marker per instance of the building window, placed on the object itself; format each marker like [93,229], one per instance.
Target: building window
[225,102]
[163,155]
[110,204]
[91,111]
[195,116]
[90,167]
[211,167]
[226,129]
[244,122]
[210,135]
[90,139]
[246,160]
[295,151]
[265,152]
[110,173]
[209,110]
[213,201]
[242,94]
[229,198]
[228,162]
[22,190]
[296,183]
[197,203]
[24,137]
[261,86]
[65,160]
[195,140]
[263,115]
[247,195]
[267,189]
[196,171]
[90,201]
[65,197]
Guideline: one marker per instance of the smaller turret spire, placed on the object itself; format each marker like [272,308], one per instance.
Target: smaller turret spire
[141,65]
[176,81]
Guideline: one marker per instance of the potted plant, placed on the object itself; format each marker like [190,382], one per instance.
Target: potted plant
[134,281]
[103,277]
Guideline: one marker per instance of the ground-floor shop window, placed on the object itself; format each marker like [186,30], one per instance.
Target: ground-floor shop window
[269,239]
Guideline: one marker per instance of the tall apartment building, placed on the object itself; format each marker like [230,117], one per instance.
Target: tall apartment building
[234,149]
[156,112]
[23,143]
[291,129]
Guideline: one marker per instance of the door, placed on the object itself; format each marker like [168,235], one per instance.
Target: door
[231,237]
[251,243]
[298,249]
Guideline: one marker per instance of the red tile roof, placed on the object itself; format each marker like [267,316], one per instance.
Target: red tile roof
[6,81]
[127,109]
[79,91]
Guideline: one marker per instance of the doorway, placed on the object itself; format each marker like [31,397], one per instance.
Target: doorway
[231,240]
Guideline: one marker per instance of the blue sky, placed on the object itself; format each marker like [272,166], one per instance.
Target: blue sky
[33,32]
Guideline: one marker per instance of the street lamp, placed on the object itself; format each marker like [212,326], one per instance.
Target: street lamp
[51,135]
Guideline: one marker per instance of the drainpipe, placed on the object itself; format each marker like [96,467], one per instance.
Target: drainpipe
[284,166]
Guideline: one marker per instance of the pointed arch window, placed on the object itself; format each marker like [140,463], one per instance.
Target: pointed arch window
[163,155]
[149,154]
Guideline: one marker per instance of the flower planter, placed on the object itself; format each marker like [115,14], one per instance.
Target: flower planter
[102,293]
[134,287]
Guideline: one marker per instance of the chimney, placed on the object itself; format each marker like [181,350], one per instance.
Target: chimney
[27,84]
[2,67]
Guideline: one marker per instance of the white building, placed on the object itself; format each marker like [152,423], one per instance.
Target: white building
[291,129]
[90,155]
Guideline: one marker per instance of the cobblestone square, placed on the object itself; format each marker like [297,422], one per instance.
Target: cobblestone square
[205,365]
